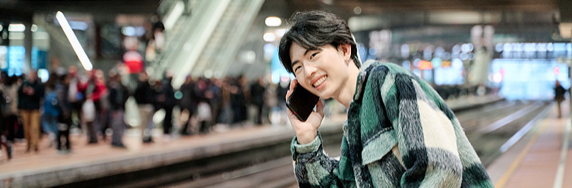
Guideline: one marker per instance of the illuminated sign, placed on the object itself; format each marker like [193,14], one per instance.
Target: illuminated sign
[425,65]
[445,64]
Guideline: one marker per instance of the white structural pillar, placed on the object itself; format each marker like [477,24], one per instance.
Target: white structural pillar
[482,39]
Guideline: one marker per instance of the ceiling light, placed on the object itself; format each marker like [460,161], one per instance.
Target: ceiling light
[85,62]
[357,10]
[273,21]
[16,27]
[269,37]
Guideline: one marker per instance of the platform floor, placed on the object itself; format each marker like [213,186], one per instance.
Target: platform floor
[542,158]
[48,159]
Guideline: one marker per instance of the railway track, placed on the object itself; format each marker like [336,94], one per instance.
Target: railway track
[489,128]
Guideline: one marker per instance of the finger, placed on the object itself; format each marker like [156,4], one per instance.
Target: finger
[293,84]
[320,107]
[288,93]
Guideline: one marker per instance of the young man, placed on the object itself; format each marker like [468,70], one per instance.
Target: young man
[118,95]
[399,132]
[144,96]
[29,95]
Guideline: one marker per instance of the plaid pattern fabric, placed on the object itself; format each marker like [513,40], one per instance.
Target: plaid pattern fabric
[399,133]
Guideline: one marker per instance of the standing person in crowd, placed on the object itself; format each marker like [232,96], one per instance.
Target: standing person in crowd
[51,109]
[399,132]
[559,92]
[118,95]
[257,91]
[281,90]
[10,108]
[167,98]
[144,97]
[215,86]
[238,101]
[226,114]
[93,93]
[187,103]
[29,95]
[75,97]
[64,119]
[101,102]
[204,112]
[4,105]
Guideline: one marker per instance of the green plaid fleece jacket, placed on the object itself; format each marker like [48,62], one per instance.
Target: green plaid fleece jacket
[399,133]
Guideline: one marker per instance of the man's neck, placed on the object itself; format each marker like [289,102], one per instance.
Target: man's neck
[348,90]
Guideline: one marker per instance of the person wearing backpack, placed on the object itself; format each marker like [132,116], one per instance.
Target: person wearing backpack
[51,109]
[64,120]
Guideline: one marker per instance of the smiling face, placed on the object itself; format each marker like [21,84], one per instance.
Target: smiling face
[324,71]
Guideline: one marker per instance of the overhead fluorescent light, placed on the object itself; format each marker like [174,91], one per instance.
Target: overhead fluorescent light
[269,37]
[16,27]
[273,21]
[174,15]
[85,62]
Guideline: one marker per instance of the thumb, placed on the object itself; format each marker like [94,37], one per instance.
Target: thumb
[320,107]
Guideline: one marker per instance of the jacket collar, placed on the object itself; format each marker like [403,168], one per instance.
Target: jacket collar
[362,77]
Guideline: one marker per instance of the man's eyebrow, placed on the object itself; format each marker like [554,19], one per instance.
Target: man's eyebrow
[306,52]
[294,63]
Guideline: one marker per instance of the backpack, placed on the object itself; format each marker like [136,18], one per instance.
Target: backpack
[51,104]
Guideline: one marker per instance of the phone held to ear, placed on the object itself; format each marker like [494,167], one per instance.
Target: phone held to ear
[301,102]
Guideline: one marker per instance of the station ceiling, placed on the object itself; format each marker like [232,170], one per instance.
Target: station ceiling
[23,10]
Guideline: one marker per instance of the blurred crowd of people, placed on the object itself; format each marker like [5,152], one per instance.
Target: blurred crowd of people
[94,104]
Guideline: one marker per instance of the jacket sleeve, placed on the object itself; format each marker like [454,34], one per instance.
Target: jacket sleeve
[21,90]
[426,136]
[39,91]
[313,167]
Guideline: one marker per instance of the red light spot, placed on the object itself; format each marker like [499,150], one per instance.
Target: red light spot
[556,70]
[425,65]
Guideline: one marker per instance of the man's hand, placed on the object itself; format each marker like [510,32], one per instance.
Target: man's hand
[306,131]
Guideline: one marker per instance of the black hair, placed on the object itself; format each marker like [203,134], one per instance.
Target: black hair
[314,29]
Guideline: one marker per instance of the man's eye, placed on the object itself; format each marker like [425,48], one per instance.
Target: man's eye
[296,69]
[314,54]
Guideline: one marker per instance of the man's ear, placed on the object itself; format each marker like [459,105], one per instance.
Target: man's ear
[346,50]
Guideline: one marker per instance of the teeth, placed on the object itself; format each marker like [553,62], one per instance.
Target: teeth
[320,81]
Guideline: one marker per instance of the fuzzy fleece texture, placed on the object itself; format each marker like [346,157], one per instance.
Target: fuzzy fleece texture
[399,133]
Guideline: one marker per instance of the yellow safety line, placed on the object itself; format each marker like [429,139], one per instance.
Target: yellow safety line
[502,181]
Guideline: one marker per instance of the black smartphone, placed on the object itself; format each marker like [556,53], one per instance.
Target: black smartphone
[301,102]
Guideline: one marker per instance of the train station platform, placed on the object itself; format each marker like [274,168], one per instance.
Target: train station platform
[542,158]
[91,163]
